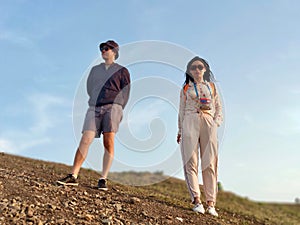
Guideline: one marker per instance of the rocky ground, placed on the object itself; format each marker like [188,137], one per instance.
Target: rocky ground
[29,195]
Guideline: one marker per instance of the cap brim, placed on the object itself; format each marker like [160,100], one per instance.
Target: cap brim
[102,45]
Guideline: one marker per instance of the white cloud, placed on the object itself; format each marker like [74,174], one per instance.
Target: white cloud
[283,122]
[291,51]
[32,143]
[150,16]
[293,115]
[16,38]
[141,116]
[144,127]
[42,111]
[7,146]
[295,91]
[287,188]
[45,111]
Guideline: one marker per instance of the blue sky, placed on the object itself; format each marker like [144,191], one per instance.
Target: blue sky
[47,47]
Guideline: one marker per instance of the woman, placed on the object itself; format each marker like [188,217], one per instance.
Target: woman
[200,113]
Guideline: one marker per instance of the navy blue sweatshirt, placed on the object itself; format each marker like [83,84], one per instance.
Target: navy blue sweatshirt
[111,86]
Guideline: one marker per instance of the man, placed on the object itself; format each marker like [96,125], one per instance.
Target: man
[108,87]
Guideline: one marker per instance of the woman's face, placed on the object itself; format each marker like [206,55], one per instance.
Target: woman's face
[197,70]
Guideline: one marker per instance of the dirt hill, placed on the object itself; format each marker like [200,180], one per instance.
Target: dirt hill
[29,195]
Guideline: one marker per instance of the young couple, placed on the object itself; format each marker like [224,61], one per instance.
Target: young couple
[200,114]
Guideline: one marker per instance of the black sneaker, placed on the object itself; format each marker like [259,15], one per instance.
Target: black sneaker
[102,185]
[68,180]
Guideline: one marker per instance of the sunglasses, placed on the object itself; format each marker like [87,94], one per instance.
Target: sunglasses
[104,48]
[194,67]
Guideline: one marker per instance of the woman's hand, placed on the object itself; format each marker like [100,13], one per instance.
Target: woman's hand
[178,138]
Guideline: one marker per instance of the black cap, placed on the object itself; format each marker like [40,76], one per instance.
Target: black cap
[113,45]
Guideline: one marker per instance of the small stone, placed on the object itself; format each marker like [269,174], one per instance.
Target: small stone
[73,203]
[60,221]
[29,212]
[169,217]
[50,206]
[118,207]
[98,202]
[13,212]
[89,217]
[30,220]
[134,200]
[37,183]
[106,222]
[179,218]
[119,222]
[144,214]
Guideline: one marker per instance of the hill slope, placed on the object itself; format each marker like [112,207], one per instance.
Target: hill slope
[29,195]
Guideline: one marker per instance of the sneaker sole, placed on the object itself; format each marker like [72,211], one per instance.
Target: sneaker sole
[212,214]
[102,189]
[199,212]
[67,184]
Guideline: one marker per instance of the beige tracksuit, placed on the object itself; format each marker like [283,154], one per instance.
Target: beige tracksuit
[198,128]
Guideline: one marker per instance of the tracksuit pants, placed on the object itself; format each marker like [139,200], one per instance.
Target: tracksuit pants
[200,131]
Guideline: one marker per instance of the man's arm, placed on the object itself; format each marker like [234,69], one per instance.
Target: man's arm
[125,85]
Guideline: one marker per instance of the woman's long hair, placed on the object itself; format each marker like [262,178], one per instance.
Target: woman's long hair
[207,76]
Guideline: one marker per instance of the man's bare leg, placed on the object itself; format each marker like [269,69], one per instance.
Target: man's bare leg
[81,153]
[108,142]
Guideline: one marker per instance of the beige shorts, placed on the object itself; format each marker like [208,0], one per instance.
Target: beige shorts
[103,119]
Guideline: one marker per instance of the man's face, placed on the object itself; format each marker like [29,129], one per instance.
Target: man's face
[107,53]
